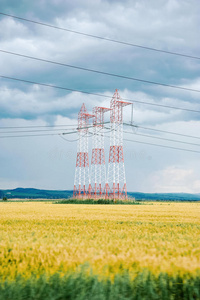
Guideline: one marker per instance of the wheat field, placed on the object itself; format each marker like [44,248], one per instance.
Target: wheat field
[47,238]
[100,252]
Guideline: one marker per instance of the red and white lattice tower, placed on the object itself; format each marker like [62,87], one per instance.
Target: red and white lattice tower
[98,167]
[82,186]
[116,179]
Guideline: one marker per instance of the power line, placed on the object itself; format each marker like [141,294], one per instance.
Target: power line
[170,147]
[98,72]
[34,135]
[136,126]
[67,139]
[157,137]
[162,146]
[44,130]
[60,134]
[101,38]
[164,131]
[34,126]
[28,135]
[26,131]
[161,138]
[44,126]
[96,94]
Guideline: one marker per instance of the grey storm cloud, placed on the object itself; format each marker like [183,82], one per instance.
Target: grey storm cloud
[167,25]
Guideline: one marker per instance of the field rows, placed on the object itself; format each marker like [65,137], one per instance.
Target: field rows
[48,238]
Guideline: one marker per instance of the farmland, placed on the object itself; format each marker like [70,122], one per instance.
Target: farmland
[43,240]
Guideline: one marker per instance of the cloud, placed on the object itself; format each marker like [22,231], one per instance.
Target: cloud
[37,101]
[169,25]
[175,180]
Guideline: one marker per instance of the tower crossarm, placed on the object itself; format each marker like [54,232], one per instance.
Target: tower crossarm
[123,103]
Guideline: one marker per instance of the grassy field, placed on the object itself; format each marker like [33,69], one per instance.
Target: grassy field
[156,245]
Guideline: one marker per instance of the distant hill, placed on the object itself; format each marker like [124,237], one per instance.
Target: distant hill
[165,196]
[30,193]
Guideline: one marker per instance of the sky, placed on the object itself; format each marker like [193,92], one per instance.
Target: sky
[48,161]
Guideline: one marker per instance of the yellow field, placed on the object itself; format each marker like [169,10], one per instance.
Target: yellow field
[44,237]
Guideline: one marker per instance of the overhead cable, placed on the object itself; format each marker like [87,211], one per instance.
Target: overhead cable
[164,131]
[158,137]
[162,146]
[39,130]
[128,124]
[96,94]
[34,126]
[57,134]
[101,37]
[161,138]
[75,131]
[34,135]
[100,72]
